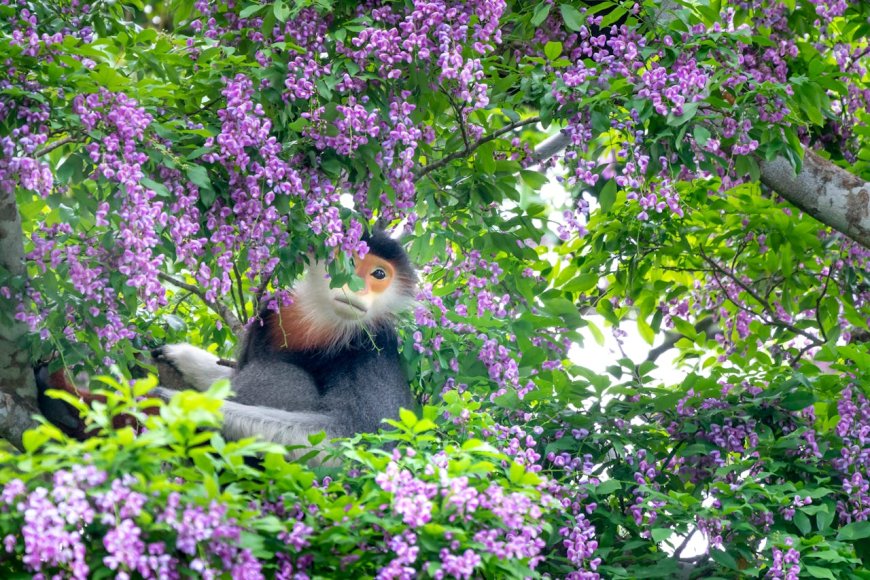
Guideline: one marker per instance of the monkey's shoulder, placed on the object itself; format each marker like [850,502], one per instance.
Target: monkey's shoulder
[260,344]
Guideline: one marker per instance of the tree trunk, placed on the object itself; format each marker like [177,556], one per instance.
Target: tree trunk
[17,385]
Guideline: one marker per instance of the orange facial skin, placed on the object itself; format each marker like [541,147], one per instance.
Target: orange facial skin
[376,272]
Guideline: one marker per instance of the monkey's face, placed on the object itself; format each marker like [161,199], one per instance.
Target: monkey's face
[378,296]
[385,292]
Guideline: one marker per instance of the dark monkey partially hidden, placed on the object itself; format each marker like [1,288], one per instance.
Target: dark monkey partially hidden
[327,362]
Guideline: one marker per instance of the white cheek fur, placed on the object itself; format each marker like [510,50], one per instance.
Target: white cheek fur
[322,314]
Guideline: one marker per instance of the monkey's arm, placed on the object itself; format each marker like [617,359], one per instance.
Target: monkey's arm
[283,427]
[186,366]
[275,425]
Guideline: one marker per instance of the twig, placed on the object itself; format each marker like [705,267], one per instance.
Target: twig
[459,154]
[52,146]
[819,303]
[671,339]
[684,543]
[219,308]
[264,283]
[459,119]
[771,315]
[243,312]
[181,301]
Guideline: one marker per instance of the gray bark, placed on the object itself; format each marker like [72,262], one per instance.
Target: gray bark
[17,385]
[825,191]
[821,189]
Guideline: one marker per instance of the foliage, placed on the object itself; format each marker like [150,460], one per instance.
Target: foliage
[177,500]
[174,178]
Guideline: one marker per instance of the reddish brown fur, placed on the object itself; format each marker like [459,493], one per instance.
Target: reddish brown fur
[289,331]
[60,380]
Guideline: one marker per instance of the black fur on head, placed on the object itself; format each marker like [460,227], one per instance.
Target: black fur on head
[382,245]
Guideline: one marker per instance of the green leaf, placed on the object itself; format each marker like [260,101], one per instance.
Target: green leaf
[689,111]
[251,10]
[819,572]
[803,523]
[824,519]
[582,282]
[661,534]
[607,197]
[854,531]
[572,17]
[534,179]
[198,175]
[613,16]
[424,425]
[552,50]
[646,331]
[724,558]
[608,487]
[316,438]
[516,472]
[798,400]
[281,11]
[157,188]
[702,135]
[542,10]
[408,417]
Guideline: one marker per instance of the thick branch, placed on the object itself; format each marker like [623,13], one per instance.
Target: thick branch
[551,146]
[469,149]
[17,384]
[234,323]
[825,191]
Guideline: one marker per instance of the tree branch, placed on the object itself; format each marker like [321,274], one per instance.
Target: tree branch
[771,317]
[52,146]
[821,189]
[473,146]
[671,339]
[825,191]
[231,319]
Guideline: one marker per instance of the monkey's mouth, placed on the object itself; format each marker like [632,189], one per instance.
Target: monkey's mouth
[350,302]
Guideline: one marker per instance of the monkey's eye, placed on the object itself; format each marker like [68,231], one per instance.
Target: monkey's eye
[379,274]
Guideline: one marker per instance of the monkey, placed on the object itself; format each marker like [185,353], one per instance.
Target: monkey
[328,361]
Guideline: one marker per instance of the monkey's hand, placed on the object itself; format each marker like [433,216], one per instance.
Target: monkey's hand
[184,366]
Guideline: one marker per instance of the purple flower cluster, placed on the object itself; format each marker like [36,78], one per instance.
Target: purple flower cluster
[435,32]
[118,158]
[137,218]
[670,90]
[304,68]
[19,166]
[354,126]
[25,29]
[786,563]
[406,551]
[412,497]
[58,522]
[854,461]
[515,532]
